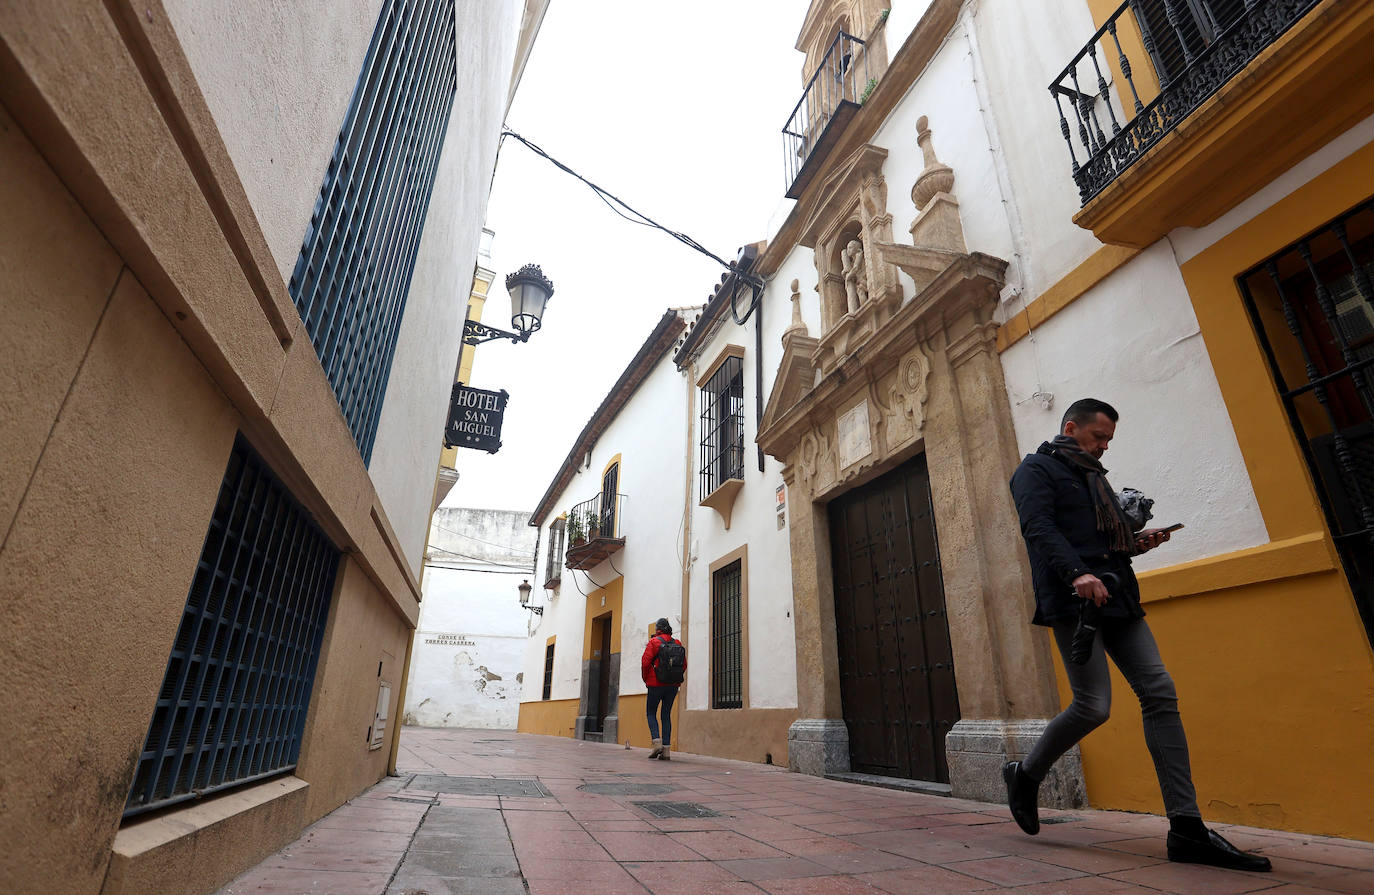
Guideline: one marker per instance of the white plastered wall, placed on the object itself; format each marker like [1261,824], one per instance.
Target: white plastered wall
[770,635]
[468,656]
[650,435]
[1134,342]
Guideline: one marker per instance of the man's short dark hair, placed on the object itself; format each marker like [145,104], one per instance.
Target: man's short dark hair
[663,625]
[1085,410]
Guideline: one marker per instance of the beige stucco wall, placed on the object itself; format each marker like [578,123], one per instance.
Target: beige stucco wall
[108,517]
[298,60]
[363,632]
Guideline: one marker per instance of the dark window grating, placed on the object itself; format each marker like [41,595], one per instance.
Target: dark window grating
[553,567]
[354,270]
[727,638]
[548,671]
[234,698]
[1312,306]
[722,426]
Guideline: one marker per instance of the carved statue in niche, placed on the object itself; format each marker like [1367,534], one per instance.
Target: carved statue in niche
[855,276]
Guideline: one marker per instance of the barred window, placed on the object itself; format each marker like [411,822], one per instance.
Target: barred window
[355,265]
[722,426]
[548,671]
[1180,30]
[237,687]
[727,638]
[553,566]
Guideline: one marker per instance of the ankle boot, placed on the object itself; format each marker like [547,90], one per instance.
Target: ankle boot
[657,750]
[1023,797]
[665,754]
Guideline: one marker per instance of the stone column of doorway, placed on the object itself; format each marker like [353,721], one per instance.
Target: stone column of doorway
[1002,664]
[818,741]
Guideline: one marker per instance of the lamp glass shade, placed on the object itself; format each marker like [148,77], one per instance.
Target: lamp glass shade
[524,588]
[529,292]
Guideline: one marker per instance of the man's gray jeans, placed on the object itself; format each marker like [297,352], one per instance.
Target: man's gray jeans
[1133,649]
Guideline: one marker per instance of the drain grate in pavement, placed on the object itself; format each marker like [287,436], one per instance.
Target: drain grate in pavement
[479,786]
[1061,819]
[677,809]
[628,789]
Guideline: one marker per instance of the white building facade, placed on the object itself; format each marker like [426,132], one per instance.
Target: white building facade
[466,664]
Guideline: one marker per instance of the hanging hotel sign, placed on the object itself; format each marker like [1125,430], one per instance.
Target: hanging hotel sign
[474,419]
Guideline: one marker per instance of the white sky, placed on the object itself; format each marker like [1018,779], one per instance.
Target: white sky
[676,109]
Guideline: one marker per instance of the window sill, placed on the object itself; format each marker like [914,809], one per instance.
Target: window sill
[722,500]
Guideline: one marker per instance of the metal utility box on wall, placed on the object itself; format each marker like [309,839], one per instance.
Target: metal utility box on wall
[379,720]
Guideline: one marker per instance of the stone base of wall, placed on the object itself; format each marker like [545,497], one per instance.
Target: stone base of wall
[206,844]
[818,746]
[976,751]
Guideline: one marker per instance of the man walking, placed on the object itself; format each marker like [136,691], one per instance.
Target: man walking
[663,667]
[1079,540]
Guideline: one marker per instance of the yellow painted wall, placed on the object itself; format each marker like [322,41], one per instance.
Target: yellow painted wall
[552,717]
[1273,667]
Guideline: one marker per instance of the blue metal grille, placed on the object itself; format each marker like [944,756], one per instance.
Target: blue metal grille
[233,701]
[354,270]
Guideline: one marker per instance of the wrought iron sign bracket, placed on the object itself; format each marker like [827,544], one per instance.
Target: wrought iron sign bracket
[475,333]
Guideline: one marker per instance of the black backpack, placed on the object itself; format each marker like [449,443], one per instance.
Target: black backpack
[671,663]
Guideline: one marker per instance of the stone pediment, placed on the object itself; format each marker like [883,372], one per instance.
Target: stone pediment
[839,191]
[796,376]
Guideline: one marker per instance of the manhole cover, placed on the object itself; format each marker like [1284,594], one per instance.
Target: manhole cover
[677,809]
[627,789]
[479,786]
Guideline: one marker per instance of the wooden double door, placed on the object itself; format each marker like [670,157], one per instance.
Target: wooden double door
[896,666]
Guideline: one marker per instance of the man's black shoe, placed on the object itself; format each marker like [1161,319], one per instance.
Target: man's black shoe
[1214,851]
[1023,797]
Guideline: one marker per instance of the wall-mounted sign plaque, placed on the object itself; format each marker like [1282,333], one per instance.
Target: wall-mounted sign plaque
[474,419]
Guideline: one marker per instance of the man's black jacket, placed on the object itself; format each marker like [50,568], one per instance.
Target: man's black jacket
[1059,523]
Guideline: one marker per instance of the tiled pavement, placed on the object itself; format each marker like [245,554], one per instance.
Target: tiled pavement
[775,832]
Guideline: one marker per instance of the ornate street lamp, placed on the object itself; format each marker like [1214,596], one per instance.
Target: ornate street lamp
[529,292]
[525,588]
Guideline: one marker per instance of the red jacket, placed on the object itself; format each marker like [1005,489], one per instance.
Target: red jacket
[646,662]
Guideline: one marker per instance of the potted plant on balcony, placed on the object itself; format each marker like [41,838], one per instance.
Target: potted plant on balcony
[577,535]
[593,526]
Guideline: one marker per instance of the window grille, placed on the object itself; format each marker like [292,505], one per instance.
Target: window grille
[1312,306]
[727,638]
[553,566]
[548,671]
[354,269]
[722,426]
[234,698]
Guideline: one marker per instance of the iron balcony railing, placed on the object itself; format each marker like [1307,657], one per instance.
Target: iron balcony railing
[837,87]
[1194,47]
[594,530]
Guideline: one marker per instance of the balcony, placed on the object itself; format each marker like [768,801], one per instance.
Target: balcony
[594,531]
[831,98]
[1176,110]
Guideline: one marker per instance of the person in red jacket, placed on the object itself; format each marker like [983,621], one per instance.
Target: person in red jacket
[671,665]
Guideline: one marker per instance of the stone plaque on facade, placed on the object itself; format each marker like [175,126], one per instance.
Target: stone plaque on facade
[852,429]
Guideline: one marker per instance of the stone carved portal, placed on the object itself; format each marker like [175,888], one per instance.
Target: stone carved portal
[859,290]
[929,379]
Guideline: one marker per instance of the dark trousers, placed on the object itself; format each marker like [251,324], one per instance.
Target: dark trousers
[664,697]
[1132,648]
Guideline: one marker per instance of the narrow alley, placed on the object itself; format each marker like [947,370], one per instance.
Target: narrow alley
[496,812]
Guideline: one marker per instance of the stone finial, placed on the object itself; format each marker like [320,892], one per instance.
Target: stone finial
[937,176]
[797,325]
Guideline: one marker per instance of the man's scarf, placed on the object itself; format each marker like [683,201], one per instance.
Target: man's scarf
[1110,520]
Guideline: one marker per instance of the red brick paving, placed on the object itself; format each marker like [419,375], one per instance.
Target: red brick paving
[779,833]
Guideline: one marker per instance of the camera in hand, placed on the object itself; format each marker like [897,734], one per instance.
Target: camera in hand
[1089,620]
